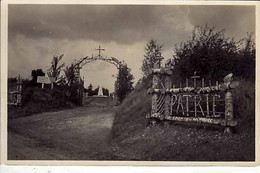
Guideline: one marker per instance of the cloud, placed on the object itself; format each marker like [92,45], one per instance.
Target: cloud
[38,32]
[26,54]
[122,24]
[125,24]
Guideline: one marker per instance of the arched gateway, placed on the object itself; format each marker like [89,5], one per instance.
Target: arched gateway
[80,63]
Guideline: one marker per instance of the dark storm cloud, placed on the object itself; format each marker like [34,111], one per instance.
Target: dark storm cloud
[123,24]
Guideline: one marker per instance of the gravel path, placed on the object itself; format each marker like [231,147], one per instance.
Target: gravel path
[76,134]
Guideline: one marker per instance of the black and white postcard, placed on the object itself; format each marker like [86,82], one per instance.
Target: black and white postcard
[129,83]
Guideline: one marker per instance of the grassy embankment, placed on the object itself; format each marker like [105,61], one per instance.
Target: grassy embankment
[134,139]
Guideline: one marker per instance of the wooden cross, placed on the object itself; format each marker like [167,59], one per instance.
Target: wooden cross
[99,51]
[159,58]
[195,78]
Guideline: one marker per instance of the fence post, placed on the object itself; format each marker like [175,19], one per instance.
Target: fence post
[155,85]
[229,84]
[167,103]
[229,116]
[19,91]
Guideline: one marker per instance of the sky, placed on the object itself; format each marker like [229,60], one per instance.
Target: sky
[36,33]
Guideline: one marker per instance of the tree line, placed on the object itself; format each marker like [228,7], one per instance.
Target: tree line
[71,86]
[92,92]
[209,52]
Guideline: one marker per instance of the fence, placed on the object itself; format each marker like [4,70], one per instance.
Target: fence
[201,104]
[15,94]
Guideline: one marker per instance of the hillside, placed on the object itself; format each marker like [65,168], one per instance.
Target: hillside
[134,139]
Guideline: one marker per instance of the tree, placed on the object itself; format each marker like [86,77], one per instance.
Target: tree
[208,52]
[124,82]
[245,64]
[105,91]
[55,69]
[152,50]
[90,90]
[74,85]
[34,75]
[70,76]
[95,91]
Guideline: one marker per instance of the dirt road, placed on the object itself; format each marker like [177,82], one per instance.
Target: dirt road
[81,133]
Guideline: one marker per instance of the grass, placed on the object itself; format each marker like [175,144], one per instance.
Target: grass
[130,116]
[134,139]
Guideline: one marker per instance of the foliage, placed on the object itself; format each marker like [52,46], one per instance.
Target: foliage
[105,91]
[152,50]
[73,85]
[95,91]
[55,69]
[37,100]
[34,75]
[12,83]
[244,65]
[124,82]
[90,90]
[70,75]
[12,80]
[211,53]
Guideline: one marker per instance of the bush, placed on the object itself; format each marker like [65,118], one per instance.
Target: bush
[37,100]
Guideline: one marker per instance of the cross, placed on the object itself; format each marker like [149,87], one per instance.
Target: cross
[159,58]
[99,51]
[195,78]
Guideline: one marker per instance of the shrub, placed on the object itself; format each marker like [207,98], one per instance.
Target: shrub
[37,100]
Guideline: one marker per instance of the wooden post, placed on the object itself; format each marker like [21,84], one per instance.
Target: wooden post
[167,103]
[214,105]
[155,95]
[195,79]
[19,91]
[229,113]
[155,85]
[228,110]
[207,102]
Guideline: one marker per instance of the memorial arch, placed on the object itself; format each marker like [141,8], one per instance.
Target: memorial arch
[88,59]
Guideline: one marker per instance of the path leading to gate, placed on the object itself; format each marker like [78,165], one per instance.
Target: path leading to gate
[81,133]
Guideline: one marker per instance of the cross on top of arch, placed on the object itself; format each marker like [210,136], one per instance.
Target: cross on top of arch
[99,50]
[88,59]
